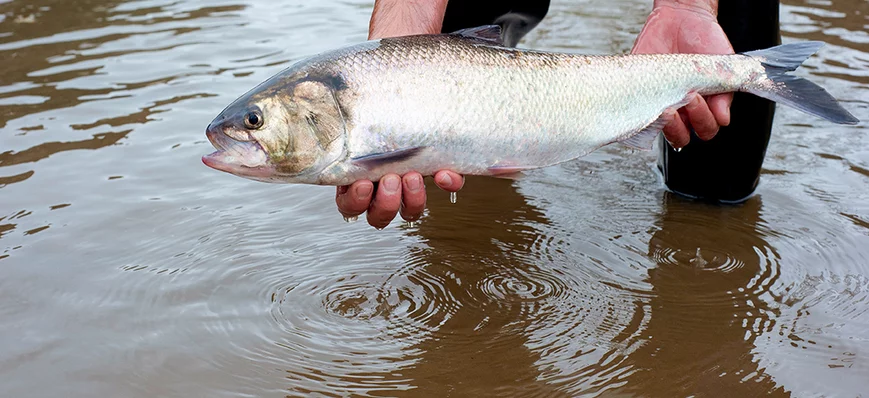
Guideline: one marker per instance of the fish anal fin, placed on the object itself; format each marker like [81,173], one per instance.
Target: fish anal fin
[645,138]
[487,33]
[375,160]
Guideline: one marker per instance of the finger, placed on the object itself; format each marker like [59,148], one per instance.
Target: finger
[386,202]
[449,181]
[676,132]
[412,196]
[720,107]
[701,118]
[354,199]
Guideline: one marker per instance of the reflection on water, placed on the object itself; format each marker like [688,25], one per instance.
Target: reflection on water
[47,149]
[129,269]
[707,308]
[481,255]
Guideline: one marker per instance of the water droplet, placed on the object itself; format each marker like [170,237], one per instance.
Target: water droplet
[453,197]
[698,260]
[351,219]
[677,150]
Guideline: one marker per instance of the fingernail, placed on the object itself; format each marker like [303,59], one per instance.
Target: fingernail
[445,179]
[363,192]
[390,184]
[413,183]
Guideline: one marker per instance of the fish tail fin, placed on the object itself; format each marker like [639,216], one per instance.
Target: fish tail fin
[792,90]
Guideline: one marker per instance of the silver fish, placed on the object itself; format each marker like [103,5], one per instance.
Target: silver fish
[463,102]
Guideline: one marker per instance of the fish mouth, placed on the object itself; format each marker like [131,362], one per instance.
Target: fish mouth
[242,158]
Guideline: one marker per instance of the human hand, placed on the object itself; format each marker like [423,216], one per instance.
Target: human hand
[394,194]
[686,27]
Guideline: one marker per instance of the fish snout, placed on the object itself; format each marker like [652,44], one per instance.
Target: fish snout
[216,138]
[220,136]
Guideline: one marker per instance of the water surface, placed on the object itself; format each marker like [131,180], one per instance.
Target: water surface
[127,268]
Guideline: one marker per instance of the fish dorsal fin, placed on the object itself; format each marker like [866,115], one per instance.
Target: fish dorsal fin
[488,33]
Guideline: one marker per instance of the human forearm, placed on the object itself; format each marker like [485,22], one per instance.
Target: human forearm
[406,17]
[710,6]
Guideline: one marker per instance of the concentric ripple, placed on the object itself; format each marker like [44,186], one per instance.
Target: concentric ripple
[518,286]
[707,259]
[355,329]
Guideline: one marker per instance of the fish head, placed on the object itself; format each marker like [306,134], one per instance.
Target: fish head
[289,131]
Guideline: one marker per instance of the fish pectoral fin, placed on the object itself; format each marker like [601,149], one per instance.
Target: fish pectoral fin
[487,33]
[645,138]
[375,160]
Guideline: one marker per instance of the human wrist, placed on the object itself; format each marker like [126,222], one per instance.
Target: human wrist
[406,17]
[700,6]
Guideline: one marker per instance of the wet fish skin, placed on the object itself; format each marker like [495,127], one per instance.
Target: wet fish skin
[464,103]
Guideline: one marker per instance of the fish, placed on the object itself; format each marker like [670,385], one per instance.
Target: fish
[464,102]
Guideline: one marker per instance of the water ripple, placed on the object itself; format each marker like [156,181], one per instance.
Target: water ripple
[582,279]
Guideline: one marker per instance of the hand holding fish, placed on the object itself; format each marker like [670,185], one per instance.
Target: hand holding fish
[672,27]
[688,28]
[394,194]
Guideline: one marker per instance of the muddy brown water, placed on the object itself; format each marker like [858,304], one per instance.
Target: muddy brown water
[129,269]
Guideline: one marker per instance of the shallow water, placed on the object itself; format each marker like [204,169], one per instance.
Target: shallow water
[127,268]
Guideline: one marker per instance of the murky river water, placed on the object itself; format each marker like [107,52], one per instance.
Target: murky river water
[127,268]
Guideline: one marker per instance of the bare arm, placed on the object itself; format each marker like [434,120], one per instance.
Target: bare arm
[406,17]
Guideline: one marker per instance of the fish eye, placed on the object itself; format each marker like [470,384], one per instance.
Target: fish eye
[253,119]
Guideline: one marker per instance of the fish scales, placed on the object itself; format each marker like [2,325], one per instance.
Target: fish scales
[462,102]
[479,106]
